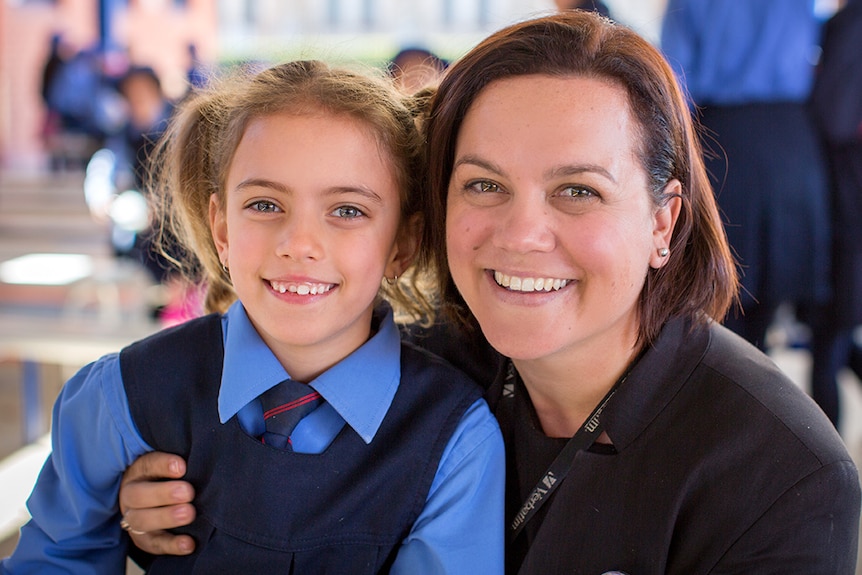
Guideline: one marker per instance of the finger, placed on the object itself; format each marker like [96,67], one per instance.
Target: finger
[155,519]
[156,465]
[164,543]
[144,493]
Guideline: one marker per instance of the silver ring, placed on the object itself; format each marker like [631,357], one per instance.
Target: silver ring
[124,525]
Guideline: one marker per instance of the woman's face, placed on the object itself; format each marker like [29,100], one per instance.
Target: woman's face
[550,225]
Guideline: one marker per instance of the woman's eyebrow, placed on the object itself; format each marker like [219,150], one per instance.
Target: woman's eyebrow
[474,160]
[556,172]
[576,169]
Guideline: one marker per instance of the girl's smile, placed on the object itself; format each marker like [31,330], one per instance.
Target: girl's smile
[301,288]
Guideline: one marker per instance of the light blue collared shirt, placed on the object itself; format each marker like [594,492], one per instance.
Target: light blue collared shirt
[362,404]
[75,525]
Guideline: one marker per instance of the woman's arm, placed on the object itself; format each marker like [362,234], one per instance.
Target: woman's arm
[812,528]
[154,499]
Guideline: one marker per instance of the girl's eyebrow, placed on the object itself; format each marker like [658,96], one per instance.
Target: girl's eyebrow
[262,183]
[367,193]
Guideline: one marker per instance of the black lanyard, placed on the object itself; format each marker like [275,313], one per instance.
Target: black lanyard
[557,471]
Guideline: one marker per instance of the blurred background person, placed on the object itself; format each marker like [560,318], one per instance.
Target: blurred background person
[58,54]
[148,110]
[416,67]
[749,67]
[82,102]
[593,5]
[836,102]
[116,190]
[196,74]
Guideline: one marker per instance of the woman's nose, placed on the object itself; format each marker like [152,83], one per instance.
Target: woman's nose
[526,227]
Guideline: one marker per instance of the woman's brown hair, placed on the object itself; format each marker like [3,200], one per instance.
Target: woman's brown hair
[699,280]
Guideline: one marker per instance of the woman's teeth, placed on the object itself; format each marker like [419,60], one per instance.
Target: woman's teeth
[516,283]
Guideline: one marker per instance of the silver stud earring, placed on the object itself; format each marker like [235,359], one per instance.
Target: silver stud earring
[391,281]
[224,269]
[663,252]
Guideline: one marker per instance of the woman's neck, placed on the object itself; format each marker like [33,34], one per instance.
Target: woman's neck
[565,389]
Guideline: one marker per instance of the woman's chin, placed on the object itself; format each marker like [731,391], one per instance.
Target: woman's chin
[519,344]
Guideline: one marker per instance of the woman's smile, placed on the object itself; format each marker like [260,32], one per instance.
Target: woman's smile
[529,283]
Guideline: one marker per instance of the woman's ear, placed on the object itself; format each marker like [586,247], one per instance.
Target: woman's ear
[665,218]
[406,246]
[218,229]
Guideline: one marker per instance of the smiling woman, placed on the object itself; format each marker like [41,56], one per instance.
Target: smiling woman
[562,149]
[550,186]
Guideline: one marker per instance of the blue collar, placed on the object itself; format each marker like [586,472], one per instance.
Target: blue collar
[360,387]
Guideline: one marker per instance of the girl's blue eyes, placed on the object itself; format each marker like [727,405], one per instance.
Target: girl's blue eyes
[263,206]
[345,212]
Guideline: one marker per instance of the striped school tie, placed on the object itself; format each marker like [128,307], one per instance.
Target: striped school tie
[283,406]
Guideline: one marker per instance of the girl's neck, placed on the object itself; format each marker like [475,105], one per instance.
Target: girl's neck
[565,389]
[304,363]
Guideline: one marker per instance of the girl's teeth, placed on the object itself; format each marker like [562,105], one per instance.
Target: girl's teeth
[300,289]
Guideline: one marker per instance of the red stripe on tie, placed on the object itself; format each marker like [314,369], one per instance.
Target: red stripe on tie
[292,405]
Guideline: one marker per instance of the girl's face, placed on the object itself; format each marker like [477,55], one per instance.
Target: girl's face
[309,227]
[550,226]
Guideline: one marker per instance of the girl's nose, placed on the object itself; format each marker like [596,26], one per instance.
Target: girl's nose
[301,239]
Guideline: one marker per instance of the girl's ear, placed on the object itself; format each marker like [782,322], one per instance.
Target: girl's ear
[666,217]
[406,246]
[218,229]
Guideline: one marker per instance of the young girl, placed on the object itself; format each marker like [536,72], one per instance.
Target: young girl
[297,190]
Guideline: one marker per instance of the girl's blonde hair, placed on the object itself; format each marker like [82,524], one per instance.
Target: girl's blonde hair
[192,160]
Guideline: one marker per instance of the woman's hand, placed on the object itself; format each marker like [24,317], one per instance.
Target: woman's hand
[153,499]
